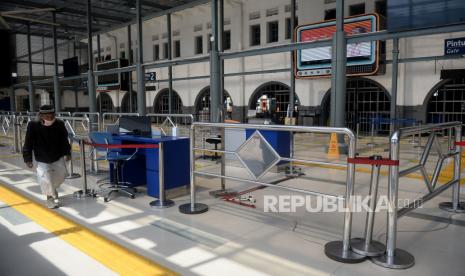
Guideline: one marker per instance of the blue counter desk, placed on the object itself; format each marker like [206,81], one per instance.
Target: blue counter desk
[144,169]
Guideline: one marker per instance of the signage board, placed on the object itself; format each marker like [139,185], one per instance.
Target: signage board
[150,76]
[362,58]
[454,46]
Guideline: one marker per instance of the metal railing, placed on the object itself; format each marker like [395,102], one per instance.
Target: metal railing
[174,124]
[94,118]
[335,249]
[112,118]
[21,127]
[9,130]
[395,257]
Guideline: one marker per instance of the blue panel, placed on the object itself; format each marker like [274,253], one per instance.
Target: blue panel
[152,186]
[279,140]
[413,14]
[151,157]
[144,169]
[176,163]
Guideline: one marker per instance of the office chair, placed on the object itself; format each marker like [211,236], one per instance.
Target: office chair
[116,157]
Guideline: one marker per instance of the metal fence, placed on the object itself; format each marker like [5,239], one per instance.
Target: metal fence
[112,118]
[339,248]
[172,124]
[395,257]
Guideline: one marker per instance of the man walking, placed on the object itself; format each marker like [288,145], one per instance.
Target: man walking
[47,138]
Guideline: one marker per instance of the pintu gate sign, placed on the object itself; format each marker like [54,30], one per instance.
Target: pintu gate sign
[454,46]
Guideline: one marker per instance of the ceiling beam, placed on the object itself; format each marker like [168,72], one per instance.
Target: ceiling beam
[155,5]
[69,9]
[152,15]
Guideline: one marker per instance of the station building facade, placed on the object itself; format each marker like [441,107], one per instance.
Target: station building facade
[422,94]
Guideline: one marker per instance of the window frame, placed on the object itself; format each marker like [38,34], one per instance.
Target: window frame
[272,37]
[252,30]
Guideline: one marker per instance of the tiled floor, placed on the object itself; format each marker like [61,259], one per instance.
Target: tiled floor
[234,240]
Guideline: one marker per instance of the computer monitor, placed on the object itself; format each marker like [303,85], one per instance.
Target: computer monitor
[137,125]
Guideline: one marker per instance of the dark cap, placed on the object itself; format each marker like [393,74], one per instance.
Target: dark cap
[46,109]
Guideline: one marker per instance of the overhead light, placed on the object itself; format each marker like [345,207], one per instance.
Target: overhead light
[133,8]
[14,75]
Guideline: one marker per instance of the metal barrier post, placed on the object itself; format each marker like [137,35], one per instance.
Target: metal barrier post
[161,202]
[394,257]
[16,142]
[71,174]
[84,192]
[222,192]
[192,208]
[455,206]
[19,130]
[340,250]
[372,143]
[366,246]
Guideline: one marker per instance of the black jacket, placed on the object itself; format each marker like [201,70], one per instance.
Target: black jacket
[48,143]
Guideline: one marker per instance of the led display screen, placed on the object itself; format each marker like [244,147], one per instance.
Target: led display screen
[317,61]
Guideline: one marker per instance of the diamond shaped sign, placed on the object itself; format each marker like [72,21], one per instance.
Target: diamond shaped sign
[257,155]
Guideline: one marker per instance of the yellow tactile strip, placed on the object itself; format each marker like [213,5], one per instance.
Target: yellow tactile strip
[110,254]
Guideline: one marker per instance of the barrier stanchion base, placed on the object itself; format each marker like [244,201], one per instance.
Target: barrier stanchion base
[448,206]
[374,249]
[333,250]
[223,193]
[84,194]
[158,204]
[401,260]
[199,208]
[73,176]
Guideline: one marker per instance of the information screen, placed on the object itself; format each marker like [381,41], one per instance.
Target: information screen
[317,61]
[111,79]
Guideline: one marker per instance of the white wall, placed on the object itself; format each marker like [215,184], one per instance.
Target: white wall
[415,79]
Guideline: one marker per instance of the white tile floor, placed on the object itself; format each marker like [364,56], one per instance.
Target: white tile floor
[235,240]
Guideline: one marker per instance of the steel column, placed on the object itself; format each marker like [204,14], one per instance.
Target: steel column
[170,68]
[32,94]
[395,67]
[140,69]
[339,73]
[76,90]
[130,73]
[221,50]
[56,82]
[43,56]
[292,92]
[12,95]
[90,77]
[215,85]
[99,53]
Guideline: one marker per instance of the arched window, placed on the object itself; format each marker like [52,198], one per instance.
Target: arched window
[202,104]
[446,102]
[365,99]
[104,103]
[161,102]
[126,103]
[274,90]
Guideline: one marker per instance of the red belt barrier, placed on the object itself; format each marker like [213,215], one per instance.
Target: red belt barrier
[461,143]
[370,161]
[123,146]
